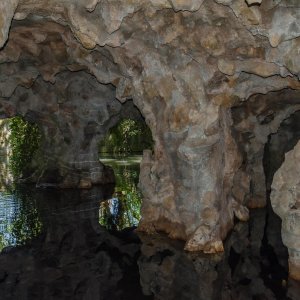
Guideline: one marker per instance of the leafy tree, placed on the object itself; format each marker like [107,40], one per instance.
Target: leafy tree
[127,136]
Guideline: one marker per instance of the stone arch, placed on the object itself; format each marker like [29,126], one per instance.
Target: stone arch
[184,73]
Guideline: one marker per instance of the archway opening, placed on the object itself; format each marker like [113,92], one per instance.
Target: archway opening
[122,149]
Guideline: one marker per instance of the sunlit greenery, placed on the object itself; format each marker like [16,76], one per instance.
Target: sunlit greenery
[24,140]
[123,210]
[127,136]
[3,242]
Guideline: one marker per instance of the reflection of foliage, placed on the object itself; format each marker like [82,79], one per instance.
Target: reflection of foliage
[24,140]
[3,242]
[123,210]
[26,224]
[22,222]
[127,136]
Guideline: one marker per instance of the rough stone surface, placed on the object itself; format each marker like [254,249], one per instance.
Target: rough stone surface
[7,10]
[254,122]
[286,203]
[185,64]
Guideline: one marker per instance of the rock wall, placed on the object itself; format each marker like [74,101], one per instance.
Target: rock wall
[255,121]
[281,142]
[185,64]
[285,202]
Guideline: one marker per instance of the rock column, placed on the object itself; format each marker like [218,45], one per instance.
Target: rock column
[285,199]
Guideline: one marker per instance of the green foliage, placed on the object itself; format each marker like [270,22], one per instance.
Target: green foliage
[24,140]
[3,242]
[127,136]
[123,210]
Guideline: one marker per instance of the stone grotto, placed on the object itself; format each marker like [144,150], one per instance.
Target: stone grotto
[217,82]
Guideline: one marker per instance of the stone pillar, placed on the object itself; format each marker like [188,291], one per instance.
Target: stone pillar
[286,203]
[186,183]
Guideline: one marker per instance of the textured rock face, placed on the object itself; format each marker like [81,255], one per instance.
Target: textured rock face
[185,64]
[7,10]
[286,203]
[254,122]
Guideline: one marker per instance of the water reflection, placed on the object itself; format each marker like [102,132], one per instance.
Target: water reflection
[123,209]
[19,217]
[74,257]
[248,269]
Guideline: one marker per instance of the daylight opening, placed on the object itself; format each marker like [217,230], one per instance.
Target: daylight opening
[122,149]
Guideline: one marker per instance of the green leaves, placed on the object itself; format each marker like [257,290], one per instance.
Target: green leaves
[127,136]
[24,140]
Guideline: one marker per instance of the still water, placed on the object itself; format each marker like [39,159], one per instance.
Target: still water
[81,244]
[20,221]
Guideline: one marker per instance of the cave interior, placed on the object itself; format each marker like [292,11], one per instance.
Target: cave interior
[217,82]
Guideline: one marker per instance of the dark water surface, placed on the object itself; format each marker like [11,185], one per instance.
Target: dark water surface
[54,247]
